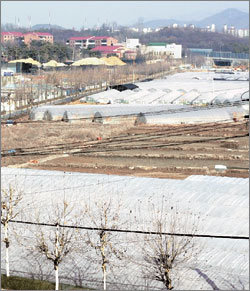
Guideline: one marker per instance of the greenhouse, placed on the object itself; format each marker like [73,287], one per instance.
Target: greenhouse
[111,113]
[217,206]
[182,88]
[195,115]
[138,114]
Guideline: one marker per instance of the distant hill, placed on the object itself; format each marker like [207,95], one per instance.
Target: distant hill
[46,26]
[163,23]
[231,17]
[193,38]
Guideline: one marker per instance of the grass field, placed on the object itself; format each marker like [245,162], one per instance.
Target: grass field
[20,283]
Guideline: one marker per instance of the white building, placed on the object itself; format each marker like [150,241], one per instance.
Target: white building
[175,25]
[147,30]
[243,32]
[134,29]
[132,43]
[175,50]
[161,49]
[213,28]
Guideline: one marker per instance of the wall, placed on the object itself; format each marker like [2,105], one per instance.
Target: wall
[175,49]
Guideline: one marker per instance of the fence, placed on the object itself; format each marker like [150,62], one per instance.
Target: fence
[16,102]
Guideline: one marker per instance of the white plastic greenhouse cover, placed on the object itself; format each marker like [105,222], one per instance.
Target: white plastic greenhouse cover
[196,115]
[182,85]
[222,204]
[89,111]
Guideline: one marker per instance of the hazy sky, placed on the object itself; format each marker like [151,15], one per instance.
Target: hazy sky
[89,13]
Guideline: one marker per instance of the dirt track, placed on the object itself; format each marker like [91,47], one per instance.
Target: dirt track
[152,151]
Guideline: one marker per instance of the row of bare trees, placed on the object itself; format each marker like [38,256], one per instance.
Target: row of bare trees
[55,241]
[51,85]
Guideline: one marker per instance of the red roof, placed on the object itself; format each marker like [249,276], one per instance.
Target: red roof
[101,37]
[14,33]
[43,33]
[106,48]
[39,33]
[80,37]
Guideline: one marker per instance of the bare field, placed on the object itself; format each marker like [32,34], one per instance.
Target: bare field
[150,151]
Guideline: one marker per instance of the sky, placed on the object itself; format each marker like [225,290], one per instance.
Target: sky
[76,14]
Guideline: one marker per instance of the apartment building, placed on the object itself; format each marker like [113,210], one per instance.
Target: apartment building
[11,36]
[39,36]
[105,41]
[26,37]
[89,42]
[81,42]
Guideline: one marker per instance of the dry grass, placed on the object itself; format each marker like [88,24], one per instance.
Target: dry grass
[42,134]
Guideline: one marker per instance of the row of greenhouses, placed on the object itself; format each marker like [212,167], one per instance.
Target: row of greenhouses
[182,88]
[145,114]
[210,215]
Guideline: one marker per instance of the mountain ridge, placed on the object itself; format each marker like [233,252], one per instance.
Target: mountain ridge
[231,17]
[47,26]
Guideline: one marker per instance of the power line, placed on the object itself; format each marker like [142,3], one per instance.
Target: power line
[134,231]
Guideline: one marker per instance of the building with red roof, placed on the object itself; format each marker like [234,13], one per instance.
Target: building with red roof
[11,36]
[39,36]
[81,41]
[105,41]
[108,50]
[26,37]
[89,42]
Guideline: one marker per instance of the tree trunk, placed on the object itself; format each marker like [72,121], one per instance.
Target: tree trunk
[57,278]
[103,243]
[56,262]
[6,240]
[104,276]
[168,282]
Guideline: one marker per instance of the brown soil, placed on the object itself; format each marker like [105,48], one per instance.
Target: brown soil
[149,151]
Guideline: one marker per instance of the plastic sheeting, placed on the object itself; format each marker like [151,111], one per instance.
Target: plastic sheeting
[196,115]
[221,203]
[88,112]
[182,88]
[150,114]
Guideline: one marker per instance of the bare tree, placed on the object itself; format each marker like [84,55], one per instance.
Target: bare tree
[55,244]
[104,215]
[9,201]
[164,255]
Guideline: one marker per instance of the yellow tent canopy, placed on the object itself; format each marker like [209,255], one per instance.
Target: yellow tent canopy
[53,64]
[113,61]
[26,61]
[17,61]
[107,63]
[89,62]
[61,65]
